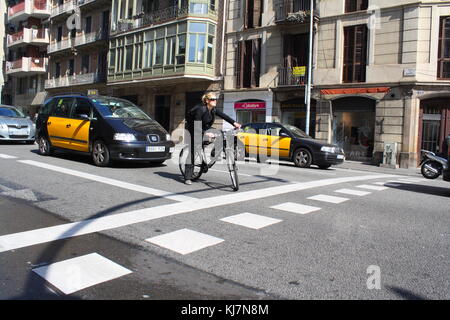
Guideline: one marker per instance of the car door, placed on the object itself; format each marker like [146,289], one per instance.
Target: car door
[57,123]
[279,145]
[79,125]
[250,137]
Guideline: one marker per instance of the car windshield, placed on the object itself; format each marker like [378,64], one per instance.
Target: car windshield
[118,108]
[11,113]
[297,132]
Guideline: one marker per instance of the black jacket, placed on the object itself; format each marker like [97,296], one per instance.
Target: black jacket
[201,113]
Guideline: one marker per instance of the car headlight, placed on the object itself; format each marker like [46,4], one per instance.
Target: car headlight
[124,137]
[167,137]
[328,149]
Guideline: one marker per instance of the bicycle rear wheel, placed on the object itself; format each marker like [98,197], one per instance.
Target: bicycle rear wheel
[198,163]
[232,168]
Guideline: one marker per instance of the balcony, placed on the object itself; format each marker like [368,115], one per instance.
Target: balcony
[61,45]
[26,66]
[293,11]
[286,77]
[75,80]
[28,8]
[93,4]
[37,37]
[64,9]
[91,38]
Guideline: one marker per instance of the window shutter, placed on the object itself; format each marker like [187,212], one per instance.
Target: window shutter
[238,64]
[257,14]
[256,61]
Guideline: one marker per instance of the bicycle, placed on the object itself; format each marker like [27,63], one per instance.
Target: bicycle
[201,163]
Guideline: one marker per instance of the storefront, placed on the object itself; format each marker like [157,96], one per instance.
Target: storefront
[353,127]
[293,112]
[250,111]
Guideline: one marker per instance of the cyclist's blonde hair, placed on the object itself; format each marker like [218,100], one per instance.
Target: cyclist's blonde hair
[207,96]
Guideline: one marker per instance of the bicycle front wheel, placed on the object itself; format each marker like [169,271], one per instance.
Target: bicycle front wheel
[232,168]
[198,163]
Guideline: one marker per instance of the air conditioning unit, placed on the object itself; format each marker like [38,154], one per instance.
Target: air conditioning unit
[390,155]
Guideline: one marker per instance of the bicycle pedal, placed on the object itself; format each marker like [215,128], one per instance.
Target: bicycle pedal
[205,169]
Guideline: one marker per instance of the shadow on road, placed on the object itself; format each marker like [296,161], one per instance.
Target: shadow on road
[405,294]
[420,188]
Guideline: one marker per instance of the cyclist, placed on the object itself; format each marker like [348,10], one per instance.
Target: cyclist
[199,120]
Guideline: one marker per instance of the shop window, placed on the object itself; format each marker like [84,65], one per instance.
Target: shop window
[355,54]
[356,5]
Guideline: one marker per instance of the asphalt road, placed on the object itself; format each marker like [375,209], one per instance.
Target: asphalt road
[288,233]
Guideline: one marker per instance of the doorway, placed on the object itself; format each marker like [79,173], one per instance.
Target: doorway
[434,125]
[162,111]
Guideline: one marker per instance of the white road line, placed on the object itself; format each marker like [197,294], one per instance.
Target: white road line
[33,237]
[369,187]
[353,192]
[79,273]
[329,199]
[227,172]
[250,220]
[296,208]
[184,241]
[5,156]
[112,182]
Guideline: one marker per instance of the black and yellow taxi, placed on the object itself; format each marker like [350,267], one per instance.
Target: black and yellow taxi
[287,142]
[107,128]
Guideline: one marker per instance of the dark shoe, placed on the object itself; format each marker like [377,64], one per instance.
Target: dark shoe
[189,182]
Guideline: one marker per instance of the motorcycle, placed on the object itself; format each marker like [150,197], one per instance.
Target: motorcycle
[432,165]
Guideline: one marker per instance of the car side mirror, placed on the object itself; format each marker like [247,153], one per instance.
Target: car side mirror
[284,134]
[84,117]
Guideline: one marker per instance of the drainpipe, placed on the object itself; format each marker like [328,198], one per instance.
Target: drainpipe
[308,92]
[223,39]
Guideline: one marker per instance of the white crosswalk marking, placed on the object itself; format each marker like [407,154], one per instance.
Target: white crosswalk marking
[5,156]
[296,208]
[250,220]
[369,187]
[184,241]
[330,199]
[353,192]
[75,274]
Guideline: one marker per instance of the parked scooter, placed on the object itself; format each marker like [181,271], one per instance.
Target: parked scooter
[432,165]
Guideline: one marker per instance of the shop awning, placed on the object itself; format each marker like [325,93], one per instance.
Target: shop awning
[355,90]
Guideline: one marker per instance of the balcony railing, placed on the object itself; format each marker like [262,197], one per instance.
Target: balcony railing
[63,8]
[27,64]
[286,77]
[75,80]
[29,7]
[28,36]
[90,38]
[61,45]
[149,19]
[295,11]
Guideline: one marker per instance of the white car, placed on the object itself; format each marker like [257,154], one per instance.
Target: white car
[15,126]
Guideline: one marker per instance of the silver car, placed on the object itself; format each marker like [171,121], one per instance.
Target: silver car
[15,126]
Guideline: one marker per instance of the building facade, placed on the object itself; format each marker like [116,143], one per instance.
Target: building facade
[26,66]
[382,77]
[165,54]
[380,72]
[78,48]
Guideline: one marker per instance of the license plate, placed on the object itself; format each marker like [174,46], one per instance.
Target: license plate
[340,156]
[18,132]
[156,149]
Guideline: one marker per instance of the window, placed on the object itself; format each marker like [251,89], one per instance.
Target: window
[253,13]
[248,57]
[71,67]
[197,42]
[170,55]
[210,50]
[59,34]
[444,49]
[129,58]
[85,63]
[138,56]
[22,85]
[57,70]
[82,106]
[63,107]
[112,58]
[119,59]
[355,54]
[159,51]
[181,49]
[148,57]
[88,23]
[356,5]
[198,8]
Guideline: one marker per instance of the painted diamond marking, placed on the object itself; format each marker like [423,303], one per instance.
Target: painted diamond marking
[75,274]
[184,241]
[250,220]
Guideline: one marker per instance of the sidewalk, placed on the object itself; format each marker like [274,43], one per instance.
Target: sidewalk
[362,166]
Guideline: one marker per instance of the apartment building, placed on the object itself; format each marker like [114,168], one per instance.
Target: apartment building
[165,54]
[26,42]
[382,77]
[78,48]
[267,53]
[4,94]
